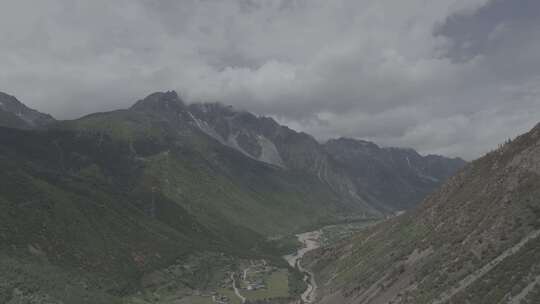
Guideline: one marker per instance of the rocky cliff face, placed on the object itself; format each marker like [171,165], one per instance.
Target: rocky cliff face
[15,114]
[383,180]
[243,131]
[263,139]
[476,240]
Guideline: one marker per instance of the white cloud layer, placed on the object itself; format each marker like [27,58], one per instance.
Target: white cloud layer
[454,77]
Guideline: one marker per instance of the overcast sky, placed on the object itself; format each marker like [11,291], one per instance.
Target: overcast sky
[453,77]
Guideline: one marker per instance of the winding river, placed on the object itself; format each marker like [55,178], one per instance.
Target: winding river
[310,241]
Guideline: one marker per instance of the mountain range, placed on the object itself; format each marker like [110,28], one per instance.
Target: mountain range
[94,204]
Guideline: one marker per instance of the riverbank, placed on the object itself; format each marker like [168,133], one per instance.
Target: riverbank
[310,241]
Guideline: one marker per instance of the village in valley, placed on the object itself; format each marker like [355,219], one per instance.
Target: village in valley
[210,278]
[257,280]
[249,281]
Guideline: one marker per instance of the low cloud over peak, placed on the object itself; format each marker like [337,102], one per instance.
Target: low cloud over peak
[452,77]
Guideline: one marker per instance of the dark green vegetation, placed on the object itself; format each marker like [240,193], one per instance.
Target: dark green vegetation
[83,201]
[476,240]
[66,209]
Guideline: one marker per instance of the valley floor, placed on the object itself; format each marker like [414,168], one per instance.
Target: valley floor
[310,241]
[216,278]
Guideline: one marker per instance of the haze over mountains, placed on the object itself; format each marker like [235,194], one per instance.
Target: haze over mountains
[315,152]
[113,196]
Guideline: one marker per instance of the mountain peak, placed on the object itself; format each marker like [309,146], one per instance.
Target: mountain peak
[15,114]
[160,101]
[7,100]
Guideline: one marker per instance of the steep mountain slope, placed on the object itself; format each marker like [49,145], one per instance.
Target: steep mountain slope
[382,180]
[86,212]
[263,139]
[476,240]
[93,205]
[15,114]
[70,219]
[212,180]
[399,178]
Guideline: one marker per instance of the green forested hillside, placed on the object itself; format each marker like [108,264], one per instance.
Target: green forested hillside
[96,203]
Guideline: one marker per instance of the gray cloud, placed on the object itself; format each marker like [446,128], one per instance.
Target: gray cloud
[454,77]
